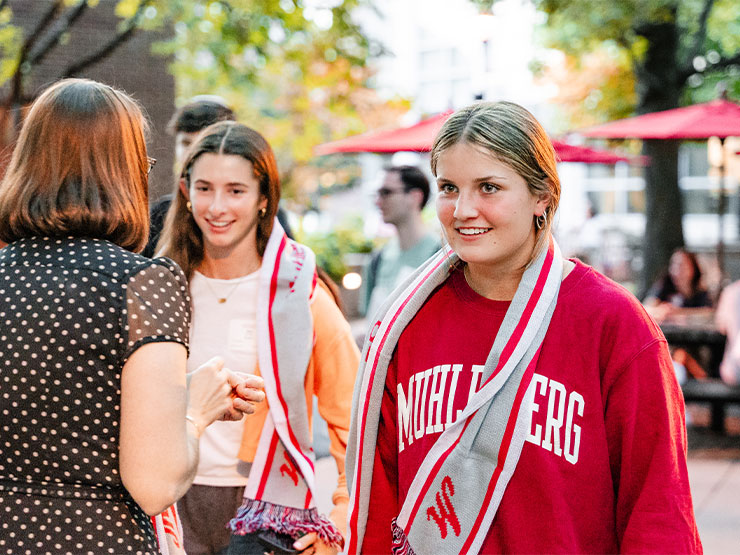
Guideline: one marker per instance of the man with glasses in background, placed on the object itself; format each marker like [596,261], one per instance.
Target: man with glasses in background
[400,199]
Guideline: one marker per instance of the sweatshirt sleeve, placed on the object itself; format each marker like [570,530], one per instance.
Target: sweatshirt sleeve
[646,434]
[384,504]
[335,359]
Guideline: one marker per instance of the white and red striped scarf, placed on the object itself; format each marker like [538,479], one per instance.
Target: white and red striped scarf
[168,529]
[280,492]
[446,509]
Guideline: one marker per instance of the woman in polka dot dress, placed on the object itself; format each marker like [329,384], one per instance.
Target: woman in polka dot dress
[98,428]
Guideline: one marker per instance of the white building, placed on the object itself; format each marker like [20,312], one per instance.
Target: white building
[443,54]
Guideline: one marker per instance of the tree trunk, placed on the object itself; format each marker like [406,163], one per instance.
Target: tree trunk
[663,210]
[658,89]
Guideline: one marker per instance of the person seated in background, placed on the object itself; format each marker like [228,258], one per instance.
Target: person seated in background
[401,198]
[679,289]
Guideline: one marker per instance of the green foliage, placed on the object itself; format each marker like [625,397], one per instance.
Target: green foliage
[331,247]
[581,28]
[296,73]
[294,70]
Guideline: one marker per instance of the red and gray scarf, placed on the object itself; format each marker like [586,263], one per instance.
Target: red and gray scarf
[280,492]
[168,529]
[458,487]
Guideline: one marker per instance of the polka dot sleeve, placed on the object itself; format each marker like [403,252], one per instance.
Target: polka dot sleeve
[157,306]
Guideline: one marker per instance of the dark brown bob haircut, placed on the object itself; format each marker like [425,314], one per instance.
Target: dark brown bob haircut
[182,240]
[79,168]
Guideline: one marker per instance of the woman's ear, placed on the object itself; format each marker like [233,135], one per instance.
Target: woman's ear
[543,201]
[184,188]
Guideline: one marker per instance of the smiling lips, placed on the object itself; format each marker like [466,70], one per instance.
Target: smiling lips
[218,225]
[473,231]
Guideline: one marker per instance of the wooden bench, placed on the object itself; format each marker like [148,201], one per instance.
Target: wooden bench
[715,392]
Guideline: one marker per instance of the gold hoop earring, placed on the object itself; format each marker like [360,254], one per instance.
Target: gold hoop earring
[540,221]
[263,211]
[189,206]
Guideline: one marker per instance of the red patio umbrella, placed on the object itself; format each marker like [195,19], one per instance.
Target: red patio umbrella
[420,137]
[718,118]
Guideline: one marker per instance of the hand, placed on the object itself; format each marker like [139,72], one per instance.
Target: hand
[246,389]
[660,311]
[209,393]
[310,544]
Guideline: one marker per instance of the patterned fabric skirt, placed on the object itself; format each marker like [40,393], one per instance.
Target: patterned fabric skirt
[52,524]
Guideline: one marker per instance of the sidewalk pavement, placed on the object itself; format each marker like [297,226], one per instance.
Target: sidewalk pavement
[715,489]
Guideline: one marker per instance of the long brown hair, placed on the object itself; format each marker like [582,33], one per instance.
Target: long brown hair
[182,239]
[514,136]
[79,168]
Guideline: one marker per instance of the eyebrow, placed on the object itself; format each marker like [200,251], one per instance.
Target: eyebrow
[477,179]
[229,184]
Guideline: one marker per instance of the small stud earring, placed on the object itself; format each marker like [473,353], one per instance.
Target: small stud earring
[189,206]
[263,211]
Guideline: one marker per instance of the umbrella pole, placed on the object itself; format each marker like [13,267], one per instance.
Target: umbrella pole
[721,210]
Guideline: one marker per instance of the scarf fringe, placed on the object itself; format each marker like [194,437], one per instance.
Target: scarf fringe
[255,515]
[401,545]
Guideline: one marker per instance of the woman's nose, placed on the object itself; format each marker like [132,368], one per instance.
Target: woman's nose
[465,207]
[218,203]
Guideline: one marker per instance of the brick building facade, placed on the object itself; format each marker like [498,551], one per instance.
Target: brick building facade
[132,67]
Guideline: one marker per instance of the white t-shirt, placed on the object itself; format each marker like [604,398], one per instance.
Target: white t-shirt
[227,330]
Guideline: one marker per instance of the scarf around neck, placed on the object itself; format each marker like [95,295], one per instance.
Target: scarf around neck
[280,492]
[457,489]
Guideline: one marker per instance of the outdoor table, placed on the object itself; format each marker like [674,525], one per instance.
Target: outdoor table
[694,329]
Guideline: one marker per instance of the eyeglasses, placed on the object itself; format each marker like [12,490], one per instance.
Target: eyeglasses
[152,162]
[384,192]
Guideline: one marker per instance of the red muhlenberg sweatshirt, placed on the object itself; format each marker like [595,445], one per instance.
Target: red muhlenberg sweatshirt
[603,469]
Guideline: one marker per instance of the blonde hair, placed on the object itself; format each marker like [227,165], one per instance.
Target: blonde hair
[512,135]
[79,168]
[182,239]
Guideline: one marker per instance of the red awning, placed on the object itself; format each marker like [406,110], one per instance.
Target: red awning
[718,118]
[420,137]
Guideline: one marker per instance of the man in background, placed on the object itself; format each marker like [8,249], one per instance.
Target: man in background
[401,198]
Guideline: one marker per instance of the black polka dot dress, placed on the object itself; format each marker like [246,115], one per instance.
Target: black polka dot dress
[71,312]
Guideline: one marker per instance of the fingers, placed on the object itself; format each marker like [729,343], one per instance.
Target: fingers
[249,393]
[214,365]
[242,406]
[247,386]
[209,392]
[305,542]
[232,414]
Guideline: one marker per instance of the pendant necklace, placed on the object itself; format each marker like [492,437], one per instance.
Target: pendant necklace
[222,300]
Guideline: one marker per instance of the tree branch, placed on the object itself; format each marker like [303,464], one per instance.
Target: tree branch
[120,38]
[43,23]
[722,63]
[701,34]
[62,26]
[725,62]
[17,87]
